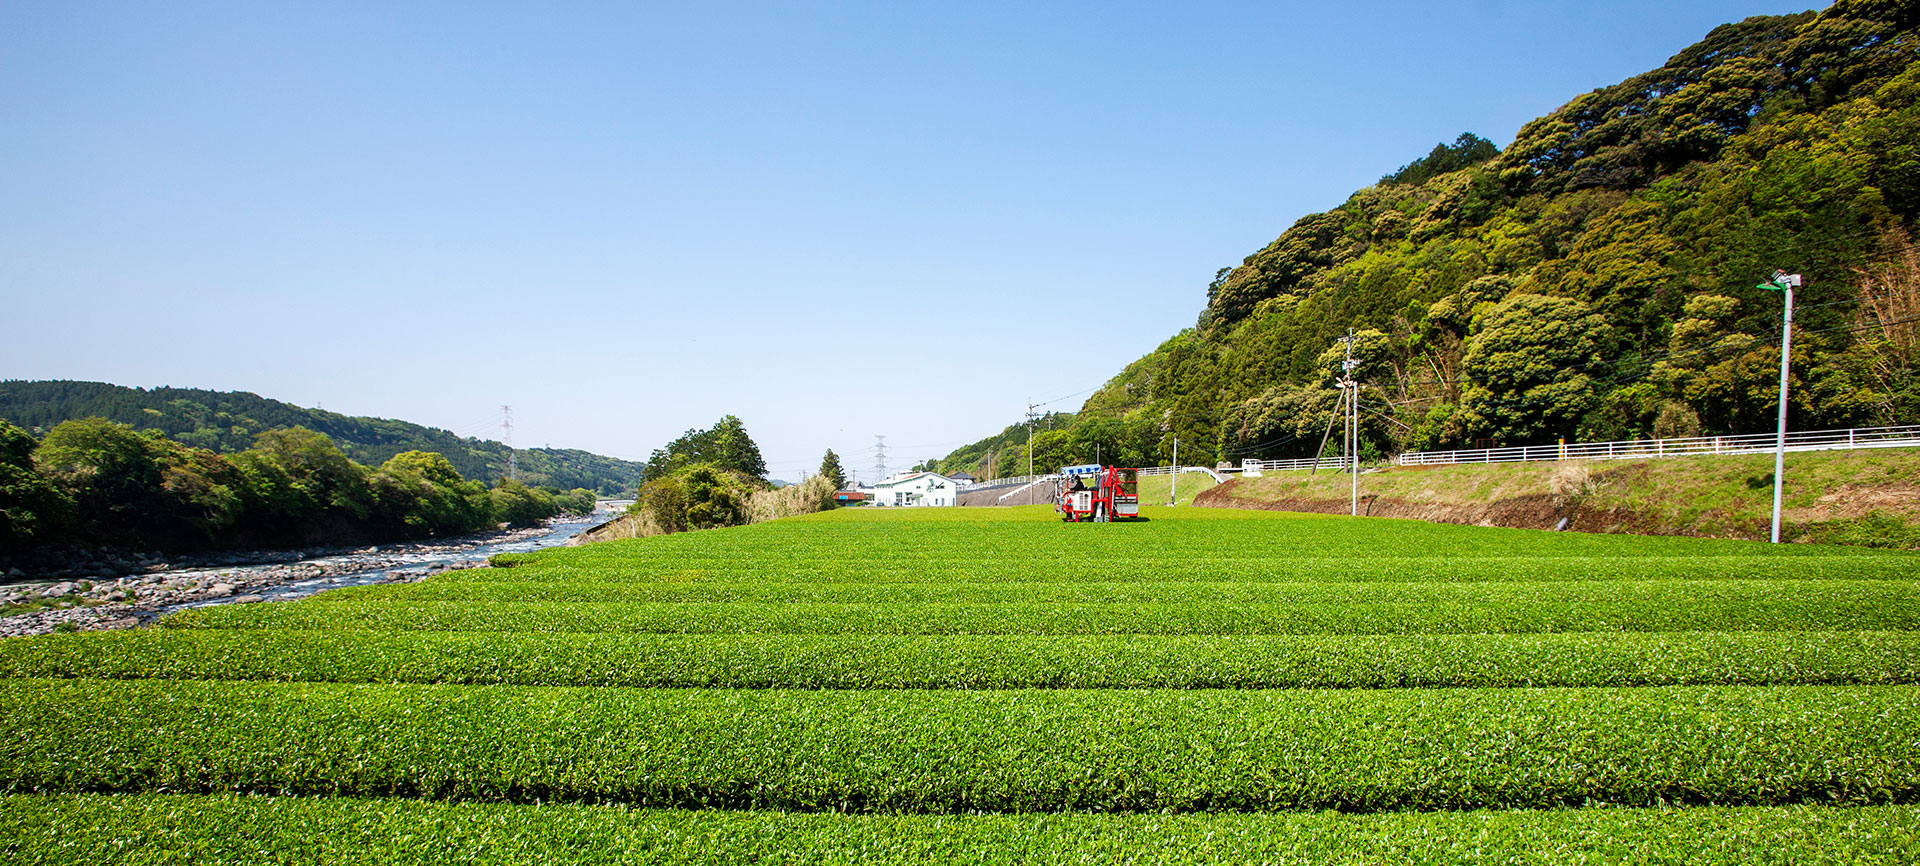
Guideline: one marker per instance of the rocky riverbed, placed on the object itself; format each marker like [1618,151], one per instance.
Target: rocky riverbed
[128,590]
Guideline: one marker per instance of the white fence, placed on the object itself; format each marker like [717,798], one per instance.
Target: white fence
[1010,481]
[1290,465]
[1024,480]
[1755,443]
[1169,470]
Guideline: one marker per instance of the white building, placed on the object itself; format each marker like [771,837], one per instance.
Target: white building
[916,488]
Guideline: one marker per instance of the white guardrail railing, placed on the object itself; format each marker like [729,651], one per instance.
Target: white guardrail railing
[1289,465]
[1023,480]
[1754,443]
[1010,481]
[1169,470]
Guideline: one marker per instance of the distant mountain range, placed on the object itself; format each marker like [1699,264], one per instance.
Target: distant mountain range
[227,421]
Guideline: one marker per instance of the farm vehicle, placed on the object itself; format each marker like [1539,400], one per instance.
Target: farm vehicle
[1097,493]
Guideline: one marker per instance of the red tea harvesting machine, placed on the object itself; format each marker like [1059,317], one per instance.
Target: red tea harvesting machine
[1097,493]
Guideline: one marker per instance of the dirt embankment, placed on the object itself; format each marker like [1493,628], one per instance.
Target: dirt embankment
[1847,497]
[1527,511]
[1038,494]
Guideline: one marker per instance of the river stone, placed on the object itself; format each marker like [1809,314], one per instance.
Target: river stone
[220,589]
[248,599]
[58,589]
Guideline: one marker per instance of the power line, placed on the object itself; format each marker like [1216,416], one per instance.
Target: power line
[1068,397]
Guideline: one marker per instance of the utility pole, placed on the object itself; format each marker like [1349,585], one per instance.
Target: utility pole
[1352,391]
[1029,438]
[506,431]
[1782,282]
[1353,408]
[1339,411]
[1174,499]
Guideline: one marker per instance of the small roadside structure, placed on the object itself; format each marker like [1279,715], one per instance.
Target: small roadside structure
[924,489]
[850,497]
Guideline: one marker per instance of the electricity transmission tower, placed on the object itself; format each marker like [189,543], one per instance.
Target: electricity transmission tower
[506,433]
[879,457]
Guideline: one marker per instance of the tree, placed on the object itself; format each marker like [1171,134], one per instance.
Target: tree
[419,493]
[1053,449]
[725,445]
[700,496]
[735,450]
[1467,150]
[515,504]
[139,487]
[109,472]
[1528,368]
[31,507]
[831,470]
[314,467]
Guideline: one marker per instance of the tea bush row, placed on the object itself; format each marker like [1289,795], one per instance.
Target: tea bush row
[988,545]
[556,589]
[1443,608]
[978,661]
[1228,564]
[968,751]
[136,830]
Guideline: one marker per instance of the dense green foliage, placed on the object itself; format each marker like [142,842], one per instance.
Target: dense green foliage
[67,830]
[97,482]
[725,446]
[936,664]
[709,479]
[228,422]
[1596,279]
[696,496]
[30,504]
[1465,152]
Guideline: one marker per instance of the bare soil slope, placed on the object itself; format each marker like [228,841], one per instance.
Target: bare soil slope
[1852,497]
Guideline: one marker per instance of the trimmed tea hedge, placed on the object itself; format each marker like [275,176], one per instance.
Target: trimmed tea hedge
[174,829]
[978,661]
[1322,608]
[966,751]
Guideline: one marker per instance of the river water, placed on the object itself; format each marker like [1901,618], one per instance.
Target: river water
[138,599]
[390,563]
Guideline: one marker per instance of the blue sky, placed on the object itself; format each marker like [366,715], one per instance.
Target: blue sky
[834,220]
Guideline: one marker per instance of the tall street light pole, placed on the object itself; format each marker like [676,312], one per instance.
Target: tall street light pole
[1782,282]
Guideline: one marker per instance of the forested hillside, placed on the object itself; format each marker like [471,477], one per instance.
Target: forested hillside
[1005,454]
[1594,280]
[228,422]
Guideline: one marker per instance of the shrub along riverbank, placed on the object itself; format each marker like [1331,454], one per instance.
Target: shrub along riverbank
[96,483]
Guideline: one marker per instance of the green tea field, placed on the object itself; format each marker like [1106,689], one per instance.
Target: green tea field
[994,686]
